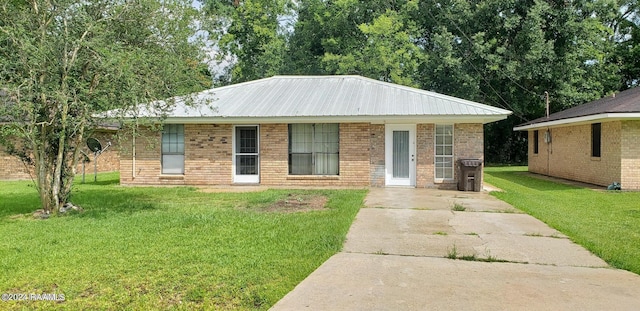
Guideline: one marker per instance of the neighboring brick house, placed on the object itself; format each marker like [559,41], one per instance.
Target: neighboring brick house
[310,131]
[12,168]
[597,143]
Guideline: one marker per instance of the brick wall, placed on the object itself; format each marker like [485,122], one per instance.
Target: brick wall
[147,162]
[354,158]
[377,159]
[11,168]
[355,150]
[274,153]
[109,160]
[468,143]
[537,163]
[425,155]
[208,154]
[569,154]
[208,157]
[630,155]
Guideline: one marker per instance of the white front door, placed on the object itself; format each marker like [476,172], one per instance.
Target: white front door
[400,155]
[246,156]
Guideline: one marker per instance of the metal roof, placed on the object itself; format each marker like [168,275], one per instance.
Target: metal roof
[338,98]
[624,105]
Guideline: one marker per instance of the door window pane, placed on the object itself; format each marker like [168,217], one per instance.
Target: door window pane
[246,164]
[246,140]
[401,154]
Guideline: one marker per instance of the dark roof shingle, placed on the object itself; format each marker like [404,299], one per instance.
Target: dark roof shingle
[624,102]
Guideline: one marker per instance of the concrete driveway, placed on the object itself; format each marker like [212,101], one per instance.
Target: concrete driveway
[400,250]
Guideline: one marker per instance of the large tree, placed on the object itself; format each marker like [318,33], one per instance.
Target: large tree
[627,29]
[252,35]
[62,62]
[505,53]
[508,53]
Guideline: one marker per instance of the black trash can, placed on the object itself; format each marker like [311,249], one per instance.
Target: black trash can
[470,175]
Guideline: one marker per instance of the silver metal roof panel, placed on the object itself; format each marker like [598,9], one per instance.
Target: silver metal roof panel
[327,96]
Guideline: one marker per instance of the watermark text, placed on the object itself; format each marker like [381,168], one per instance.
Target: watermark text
[32,297]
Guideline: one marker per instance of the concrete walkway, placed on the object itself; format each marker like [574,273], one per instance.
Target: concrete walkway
[399,250]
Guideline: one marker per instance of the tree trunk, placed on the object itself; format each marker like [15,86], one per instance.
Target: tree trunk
[71,164]
[42,165]
[59,160]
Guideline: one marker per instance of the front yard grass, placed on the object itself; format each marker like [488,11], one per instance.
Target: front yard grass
[165,248]
[607,223]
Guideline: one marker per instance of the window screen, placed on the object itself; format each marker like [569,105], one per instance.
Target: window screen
[173,149]
[444,151]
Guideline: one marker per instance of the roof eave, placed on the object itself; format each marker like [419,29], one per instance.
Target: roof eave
[581,120]
[390,119]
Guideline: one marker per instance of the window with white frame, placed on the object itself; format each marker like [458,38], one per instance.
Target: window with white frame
[173,149]
[314,149]
[444,152]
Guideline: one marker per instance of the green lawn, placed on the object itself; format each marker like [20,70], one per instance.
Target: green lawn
[605,222]
[165,248]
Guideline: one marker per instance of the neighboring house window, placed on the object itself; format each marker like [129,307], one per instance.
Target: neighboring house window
[596,139]
[313,149]
[444,151]
[535,141]
[173,149]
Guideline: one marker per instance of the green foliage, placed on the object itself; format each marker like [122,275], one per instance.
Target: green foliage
[458,207]
[251,32]
[376,39]
[502,53]
[508,53]
[627,53]
[606,223]
[166,248]
[388,53]
[63,62]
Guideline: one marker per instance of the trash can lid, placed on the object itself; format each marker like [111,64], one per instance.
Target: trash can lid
[471,162]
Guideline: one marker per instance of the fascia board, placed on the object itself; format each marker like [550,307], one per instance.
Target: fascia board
[337,119]
[581,120]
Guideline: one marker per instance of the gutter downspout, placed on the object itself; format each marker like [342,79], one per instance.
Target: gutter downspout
[549,151]
[548,132]
[133,151]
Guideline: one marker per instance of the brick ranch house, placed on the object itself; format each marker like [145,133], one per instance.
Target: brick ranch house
[311,131]
[597,143]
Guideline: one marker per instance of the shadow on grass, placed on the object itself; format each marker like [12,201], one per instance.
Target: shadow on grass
[124,208]
[21,203]
[530,180]
[95,205]
[98,201]
[100,182]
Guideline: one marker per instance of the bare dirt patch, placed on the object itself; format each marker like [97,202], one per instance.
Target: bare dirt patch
[298,203]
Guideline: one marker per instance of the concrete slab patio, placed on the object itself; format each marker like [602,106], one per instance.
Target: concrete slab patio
[399,250]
